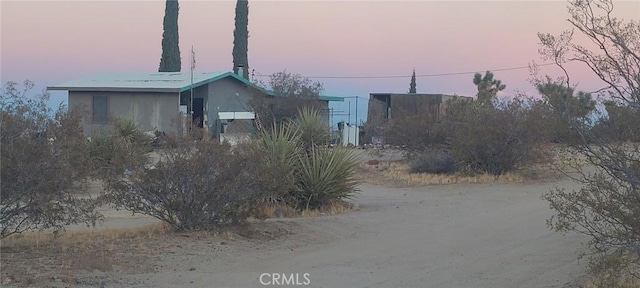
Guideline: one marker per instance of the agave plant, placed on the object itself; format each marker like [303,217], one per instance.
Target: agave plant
[326,175]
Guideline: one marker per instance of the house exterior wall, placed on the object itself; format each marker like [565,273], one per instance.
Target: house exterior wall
[226,95]
[149,110]
[230,95]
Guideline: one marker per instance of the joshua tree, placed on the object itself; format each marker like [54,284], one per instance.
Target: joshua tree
[488,87]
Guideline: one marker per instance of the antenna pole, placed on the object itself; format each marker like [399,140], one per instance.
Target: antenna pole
[193,66]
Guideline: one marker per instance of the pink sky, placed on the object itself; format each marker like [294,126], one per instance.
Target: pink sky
[55,41]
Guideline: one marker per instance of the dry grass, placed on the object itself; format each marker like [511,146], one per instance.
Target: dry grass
[285,211]
[82,240]
[37,257]
[397,173]
[626,281]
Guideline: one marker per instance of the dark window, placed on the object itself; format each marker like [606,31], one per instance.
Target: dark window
[100,111]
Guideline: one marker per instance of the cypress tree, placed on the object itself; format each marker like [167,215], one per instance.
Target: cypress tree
[170,61]
[412,86]
[241,38]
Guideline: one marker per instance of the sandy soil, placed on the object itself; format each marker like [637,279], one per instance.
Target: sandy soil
[438,236]
[467,235]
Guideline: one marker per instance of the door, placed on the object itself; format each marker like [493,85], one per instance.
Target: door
[198,111]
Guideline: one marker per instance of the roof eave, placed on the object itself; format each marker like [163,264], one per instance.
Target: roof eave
[113,89]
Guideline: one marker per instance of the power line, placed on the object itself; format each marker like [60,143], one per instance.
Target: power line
[417,76]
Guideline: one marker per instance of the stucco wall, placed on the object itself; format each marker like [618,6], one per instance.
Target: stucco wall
[149,110]
[226,95]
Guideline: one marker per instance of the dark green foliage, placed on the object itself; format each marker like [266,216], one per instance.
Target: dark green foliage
[621,124]
[170,60]
[320,175]
[312,131]
[488,87]
[412,86]
[433,161]
[241,38]
[563,102]
[325,176]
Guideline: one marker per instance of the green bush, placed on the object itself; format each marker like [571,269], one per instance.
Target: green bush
[309,174]
[311,128]
[279,150]
[326,175]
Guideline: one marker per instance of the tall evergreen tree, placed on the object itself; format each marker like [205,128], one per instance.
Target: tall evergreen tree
[412,86]
[170,61]
[241,38]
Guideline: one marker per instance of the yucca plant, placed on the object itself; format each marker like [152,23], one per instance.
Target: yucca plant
[325,176]
[127,132]
[279,148]
[313,132]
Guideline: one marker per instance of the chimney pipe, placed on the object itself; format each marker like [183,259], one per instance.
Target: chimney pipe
[240,71]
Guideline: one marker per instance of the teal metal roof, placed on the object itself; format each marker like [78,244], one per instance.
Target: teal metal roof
[158,82]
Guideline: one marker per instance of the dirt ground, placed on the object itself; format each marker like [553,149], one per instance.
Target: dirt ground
[467,235]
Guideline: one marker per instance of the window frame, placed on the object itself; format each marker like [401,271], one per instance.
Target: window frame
[99,118]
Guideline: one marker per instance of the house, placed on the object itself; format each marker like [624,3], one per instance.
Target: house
[385,106]
[158,100]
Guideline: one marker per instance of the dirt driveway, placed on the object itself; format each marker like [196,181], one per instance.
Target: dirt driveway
[438,236]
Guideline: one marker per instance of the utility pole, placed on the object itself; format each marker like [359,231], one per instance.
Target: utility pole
[357,125]
[193,67]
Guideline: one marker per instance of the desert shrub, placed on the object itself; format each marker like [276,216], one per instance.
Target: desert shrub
[291,93]
[122,149]
[434,161]
[198,185]
[415,133]
[44,164]
[485,139]
[607,206]
[620,124]
[326,175]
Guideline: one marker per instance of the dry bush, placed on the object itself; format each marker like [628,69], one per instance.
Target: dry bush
[484,139]
[435,162]
[44,163]
[416,134]
[620,124]
[292,93]
[401,172]
[198,185]
[607,206]
[118,151]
